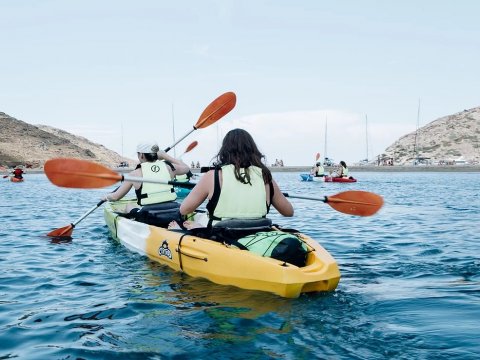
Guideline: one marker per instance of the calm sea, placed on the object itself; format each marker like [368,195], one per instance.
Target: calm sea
[410,286]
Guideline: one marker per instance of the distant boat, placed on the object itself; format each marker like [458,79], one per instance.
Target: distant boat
[14,179]
[340,179]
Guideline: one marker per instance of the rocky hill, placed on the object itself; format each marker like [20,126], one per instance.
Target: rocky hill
[31,145]
[447,140]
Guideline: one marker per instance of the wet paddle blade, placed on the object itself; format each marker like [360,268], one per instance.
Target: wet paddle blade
[216,110]
[76,173]
[354,202]
[65,231]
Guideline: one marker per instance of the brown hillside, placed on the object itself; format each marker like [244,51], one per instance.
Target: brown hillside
[26,144]
[444,141]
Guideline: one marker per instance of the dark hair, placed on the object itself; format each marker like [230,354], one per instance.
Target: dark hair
[343,164]
[151,157]
[239,149]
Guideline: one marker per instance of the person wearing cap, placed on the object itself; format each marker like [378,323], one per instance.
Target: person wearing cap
[154,164]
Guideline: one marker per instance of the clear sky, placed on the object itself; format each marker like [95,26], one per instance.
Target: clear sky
[118,72]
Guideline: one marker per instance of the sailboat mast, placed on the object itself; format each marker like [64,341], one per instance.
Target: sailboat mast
[121,126]
[366,135]
[173,131]
[325,152]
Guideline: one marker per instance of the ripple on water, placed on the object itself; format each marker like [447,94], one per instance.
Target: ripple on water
[410,283]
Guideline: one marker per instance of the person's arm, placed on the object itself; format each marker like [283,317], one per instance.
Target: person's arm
[123,189]
[280,202]
[180,167]
[198,194]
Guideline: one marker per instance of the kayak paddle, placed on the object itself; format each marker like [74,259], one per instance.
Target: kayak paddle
[83,174]
[217,109]
[66,231]
[353,202]
[190,147]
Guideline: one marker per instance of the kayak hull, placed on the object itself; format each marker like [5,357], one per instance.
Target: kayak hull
[306,177]
[310,177]
[223,264]
[182,192]
[14,179]
[338,179]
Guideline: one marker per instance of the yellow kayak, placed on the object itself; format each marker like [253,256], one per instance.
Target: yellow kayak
[221,263]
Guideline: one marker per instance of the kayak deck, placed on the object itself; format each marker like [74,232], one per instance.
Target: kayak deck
[224,264]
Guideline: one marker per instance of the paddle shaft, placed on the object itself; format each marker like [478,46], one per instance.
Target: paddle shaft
[331,199]
[183,137]
[325,199]
[88,212]
[213,112]
[155,181]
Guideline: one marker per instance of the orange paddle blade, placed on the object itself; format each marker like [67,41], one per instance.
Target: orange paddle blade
[317,156]
[191,146]
[76,173]
[354,202]
[216,110]
[65,231]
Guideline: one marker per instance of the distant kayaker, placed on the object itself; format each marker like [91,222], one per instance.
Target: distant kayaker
[318,170]
[154,164]
[241,186]
[18,173]
[342,170]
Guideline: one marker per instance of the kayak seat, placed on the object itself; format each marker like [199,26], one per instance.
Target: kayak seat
[159,214]
[228,231]
[262,224]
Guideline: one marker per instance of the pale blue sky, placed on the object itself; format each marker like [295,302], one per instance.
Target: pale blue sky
[95,67]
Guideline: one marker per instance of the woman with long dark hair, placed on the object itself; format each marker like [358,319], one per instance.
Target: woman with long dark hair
[240,187]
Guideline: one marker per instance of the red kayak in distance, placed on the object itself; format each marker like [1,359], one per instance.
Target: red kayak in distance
[340,179]
[14,179]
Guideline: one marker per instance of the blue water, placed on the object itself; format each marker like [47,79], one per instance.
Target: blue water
[410,286]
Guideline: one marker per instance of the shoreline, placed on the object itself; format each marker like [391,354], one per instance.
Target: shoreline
[353,169]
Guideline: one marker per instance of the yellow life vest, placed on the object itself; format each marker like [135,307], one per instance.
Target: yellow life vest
[156,193]
[241,201]
[321,171]
[344,172]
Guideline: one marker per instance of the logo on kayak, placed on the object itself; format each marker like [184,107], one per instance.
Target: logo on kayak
[164,250]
